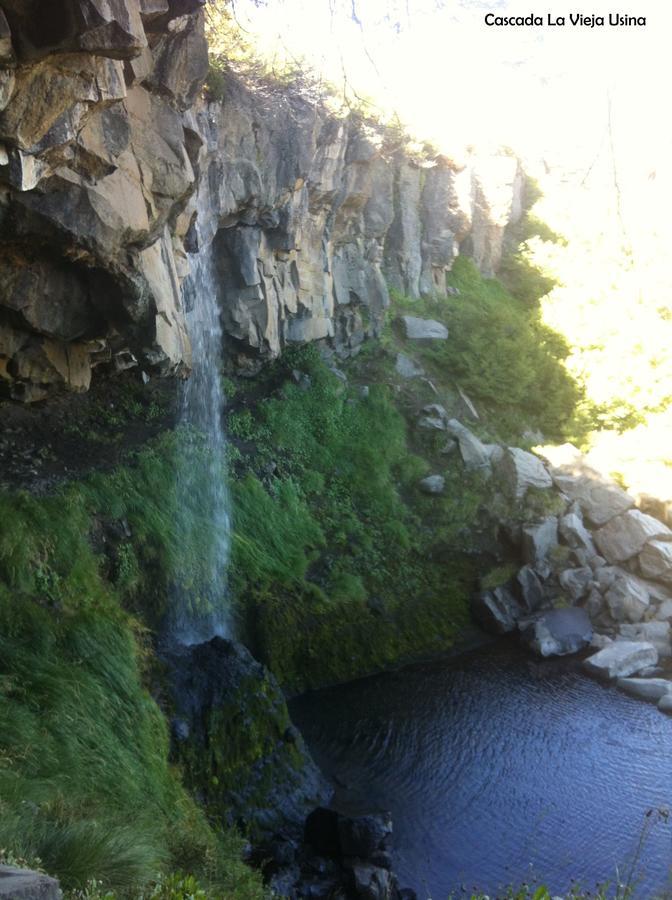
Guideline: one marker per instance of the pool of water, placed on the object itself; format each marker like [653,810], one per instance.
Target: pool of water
[499,769]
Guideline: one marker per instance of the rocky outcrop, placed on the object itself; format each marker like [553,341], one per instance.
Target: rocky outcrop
[232,732]
[98,166]
[114,169]
[596,571]
[336,856]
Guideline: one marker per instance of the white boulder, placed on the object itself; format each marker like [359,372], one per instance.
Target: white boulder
[417,329]
[655,560]
[625,536]
[651,689]
[621,658]
[521,470]
[473,452]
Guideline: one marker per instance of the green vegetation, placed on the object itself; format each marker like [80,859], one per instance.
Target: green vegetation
[86,788]
[501,354]
[340,566]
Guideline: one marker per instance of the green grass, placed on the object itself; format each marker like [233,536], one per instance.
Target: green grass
[332,566]
[86,787]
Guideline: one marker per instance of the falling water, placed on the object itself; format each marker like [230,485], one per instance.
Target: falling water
[199,609]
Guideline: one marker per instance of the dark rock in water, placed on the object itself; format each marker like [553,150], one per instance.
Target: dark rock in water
[321,832]
[365,835]
[237,756]
[373,883]
[342,857]
[24,884]
[557,632]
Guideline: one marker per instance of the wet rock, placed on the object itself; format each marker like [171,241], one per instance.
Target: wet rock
[363,836]
[665,703]
[497,611]
[373,883]
[237,754]
[621,659]
[321,832]
[24,884]
[416,329]
[557,632]
[521,470]
[651,689]
[625,535]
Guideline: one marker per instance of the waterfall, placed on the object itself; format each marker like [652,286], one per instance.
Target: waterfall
[198,606]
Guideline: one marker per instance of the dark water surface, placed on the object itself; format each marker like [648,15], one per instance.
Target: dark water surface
[498,770]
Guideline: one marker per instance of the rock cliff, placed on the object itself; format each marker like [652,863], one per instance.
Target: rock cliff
[114,168]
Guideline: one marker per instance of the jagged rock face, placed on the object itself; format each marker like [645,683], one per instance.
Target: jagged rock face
[113,168]
[96,169]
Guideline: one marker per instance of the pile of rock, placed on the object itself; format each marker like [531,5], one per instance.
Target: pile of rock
[597,573]
[338,856]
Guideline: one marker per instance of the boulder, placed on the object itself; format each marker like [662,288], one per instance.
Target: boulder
[435,418]
[321,832]
[364,836]
[626,597]
[600,498]
[656,633]
[575,534]
[24,884]
[621,659]
[625,535]
[600,641]
[651,689]
[530,589]
[521,470]
[473,452]
[538,539]
[558,632]
[665,703]
[373,882]
[594,604]
[497,611]
[416,329]
[576,582]
[433,484]
[664,611]
[655,560]
[406,367]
